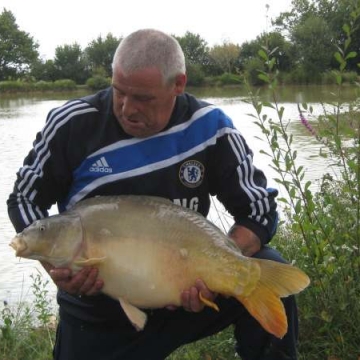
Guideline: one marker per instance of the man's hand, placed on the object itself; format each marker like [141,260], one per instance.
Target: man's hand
[248,242]
[85,282]
[190,299]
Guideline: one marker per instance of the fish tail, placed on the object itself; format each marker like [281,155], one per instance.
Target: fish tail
[264,303]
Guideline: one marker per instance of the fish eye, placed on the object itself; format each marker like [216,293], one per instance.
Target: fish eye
[42,228]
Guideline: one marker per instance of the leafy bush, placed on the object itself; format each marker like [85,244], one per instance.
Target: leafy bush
[324,226]
[25,86]
[252,68]
[330,77]
[43,85]
[229,79]
[14,86]
[28,331]
[220,346]
[299,76]
[64,84]
[98,83]
[350,77]
[195,75]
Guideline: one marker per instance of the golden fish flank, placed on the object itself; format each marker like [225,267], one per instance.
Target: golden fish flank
[148,250]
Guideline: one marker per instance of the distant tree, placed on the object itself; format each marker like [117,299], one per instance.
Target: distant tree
[315,46]
[284,51]
[18,50]
[70,63]
[323,20]
[249,50]
[195,48]
[226,56]
[99,55]
[195,75]
[196,52]
[285,54]
[251,70]
[44,70]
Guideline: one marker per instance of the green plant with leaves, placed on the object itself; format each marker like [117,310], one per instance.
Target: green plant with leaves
[321,228]
[220,346]
[27,330]
[98,83]
[42,305]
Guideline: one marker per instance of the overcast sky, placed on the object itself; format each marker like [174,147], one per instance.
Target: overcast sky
[55,23]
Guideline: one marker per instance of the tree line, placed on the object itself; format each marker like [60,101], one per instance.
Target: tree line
[304,40]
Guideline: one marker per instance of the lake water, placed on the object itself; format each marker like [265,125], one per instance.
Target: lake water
[22,117]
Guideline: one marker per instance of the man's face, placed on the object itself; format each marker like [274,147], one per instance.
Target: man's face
[142,102]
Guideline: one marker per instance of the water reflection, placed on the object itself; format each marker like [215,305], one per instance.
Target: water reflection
[285,94]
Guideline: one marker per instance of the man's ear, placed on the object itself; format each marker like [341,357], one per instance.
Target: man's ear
[180,83]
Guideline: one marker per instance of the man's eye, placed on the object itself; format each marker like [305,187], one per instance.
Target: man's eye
[143,98]
[119,94]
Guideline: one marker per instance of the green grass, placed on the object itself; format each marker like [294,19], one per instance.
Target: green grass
[28,330]
[217,347]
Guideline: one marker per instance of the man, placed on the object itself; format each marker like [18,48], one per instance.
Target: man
[145,136]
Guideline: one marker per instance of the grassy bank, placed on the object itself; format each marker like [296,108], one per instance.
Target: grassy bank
[225,80]
[28,329]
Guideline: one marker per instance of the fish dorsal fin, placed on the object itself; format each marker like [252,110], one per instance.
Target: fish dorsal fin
[160,199]
[136,316]
[117,200]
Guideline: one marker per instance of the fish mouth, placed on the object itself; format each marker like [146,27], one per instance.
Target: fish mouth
[19,245]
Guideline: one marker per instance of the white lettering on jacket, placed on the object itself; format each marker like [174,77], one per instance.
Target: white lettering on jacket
[192,204]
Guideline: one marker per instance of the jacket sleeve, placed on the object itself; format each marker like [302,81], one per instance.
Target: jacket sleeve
[39,182]
[242,188]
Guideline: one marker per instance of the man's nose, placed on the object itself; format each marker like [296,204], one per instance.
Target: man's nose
[128,107]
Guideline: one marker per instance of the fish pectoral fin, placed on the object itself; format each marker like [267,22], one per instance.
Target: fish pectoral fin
[135,315]
[208,302]
[89,262]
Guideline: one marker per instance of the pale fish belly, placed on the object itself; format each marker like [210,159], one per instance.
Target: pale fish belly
[147,274]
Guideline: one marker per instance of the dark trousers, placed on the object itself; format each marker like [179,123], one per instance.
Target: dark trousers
[167,330]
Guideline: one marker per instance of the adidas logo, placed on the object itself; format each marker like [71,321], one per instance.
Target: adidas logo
[101,165]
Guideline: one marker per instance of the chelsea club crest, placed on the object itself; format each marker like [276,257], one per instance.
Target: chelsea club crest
[191,173]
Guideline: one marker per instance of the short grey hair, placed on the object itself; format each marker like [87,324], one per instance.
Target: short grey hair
[150,48]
